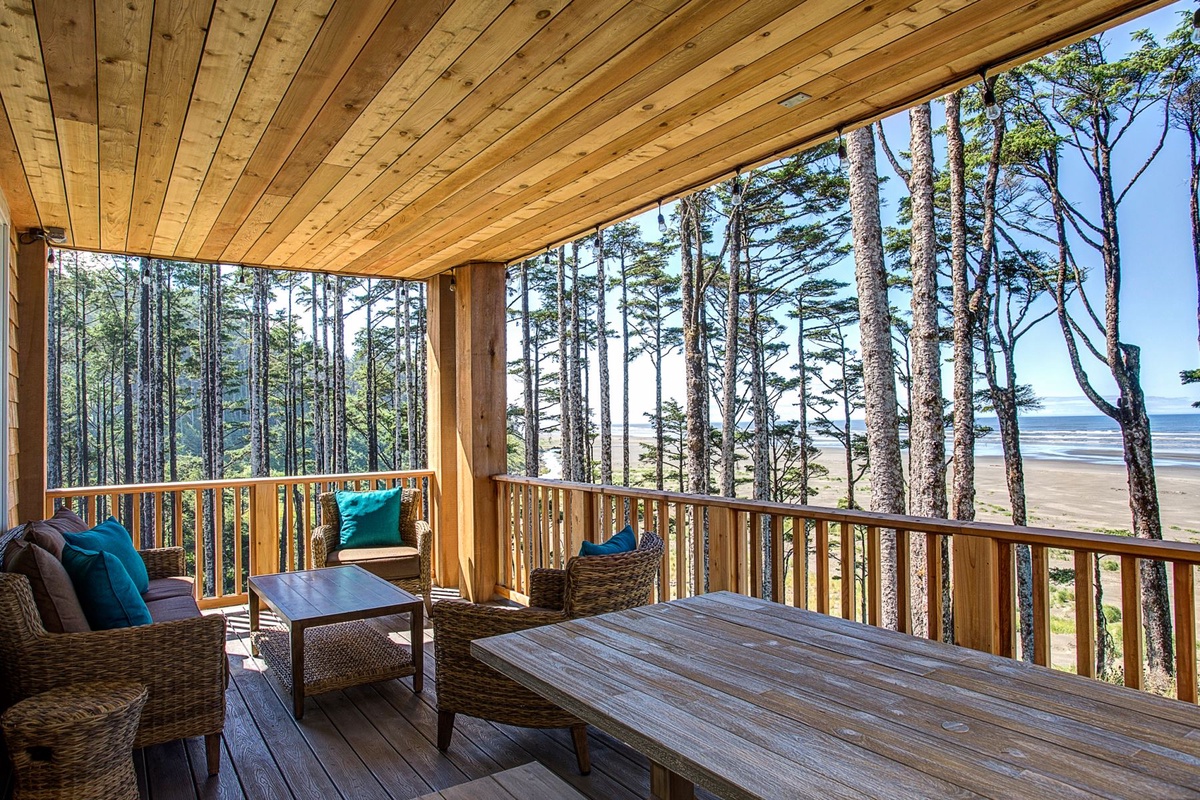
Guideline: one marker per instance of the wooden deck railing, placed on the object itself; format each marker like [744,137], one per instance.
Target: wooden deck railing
[264,524]
[748,547]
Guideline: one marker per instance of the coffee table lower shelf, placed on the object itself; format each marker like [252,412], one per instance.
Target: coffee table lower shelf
[336,656]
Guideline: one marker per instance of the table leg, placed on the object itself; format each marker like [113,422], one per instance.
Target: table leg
[417,645]
[666,785]
[253,619]
[297,636]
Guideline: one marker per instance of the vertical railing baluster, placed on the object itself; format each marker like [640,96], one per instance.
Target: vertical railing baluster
[903,583]
[756,554]
[874,575]
[1085,615]
[846,545]
[1040,559]
[1131,620]
[822,565]
[777,579]
[1185,632]
[933,585]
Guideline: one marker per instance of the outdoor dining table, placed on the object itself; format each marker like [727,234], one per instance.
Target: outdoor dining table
[752,699]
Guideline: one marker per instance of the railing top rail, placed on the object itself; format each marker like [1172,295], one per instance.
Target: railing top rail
[177,486]
[1185,552]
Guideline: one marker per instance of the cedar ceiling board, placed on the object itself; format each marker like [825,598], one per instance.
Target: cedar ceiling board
[15,186]
[379,136]
[452,100]
[658,57]
[177,41]
[739,84]
[304,177]
[477,112]
[1016,48]
[380,60]
[67,31]
[234,34]
[122,53]
[290,32]
[924,40]
[27,105]
[342,36]
[411,200]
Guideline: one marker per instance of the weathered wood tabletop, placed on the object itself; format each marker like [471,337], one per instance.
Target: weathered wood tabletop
[751,699]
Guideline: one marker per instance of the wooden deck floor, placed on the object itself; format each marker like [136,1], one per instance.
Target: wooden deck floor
[367,743]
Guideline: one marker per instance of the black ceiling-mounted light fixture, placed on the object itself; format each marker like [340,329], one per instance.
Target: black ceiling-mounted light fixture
[48,235]
[991,108]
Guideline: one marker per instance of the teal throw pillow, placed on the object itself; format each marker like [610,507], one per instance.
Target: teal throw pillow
[370,519]
[106,592]
[623,542]
[110,536]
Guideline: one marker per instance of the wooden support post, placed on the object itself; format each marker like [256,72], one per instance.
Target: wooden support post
[975,599]
[442,424]
[479,312]
[33,317]
[264,528]
[722,564]
[581,519]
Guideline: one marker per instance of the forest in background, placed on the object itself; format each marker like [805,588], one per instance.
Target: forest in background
[165,370]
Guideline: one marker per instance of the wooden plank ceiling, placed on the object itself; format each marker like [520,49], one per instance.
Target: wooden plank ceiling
[404,138]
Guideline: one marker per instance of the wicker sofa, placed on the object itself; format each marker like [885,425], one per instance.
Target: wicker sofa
[181,659]
[588,586]
[408,565]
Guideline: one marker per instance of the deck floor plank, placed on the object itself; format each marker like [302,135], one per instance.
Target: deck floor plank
[373,741]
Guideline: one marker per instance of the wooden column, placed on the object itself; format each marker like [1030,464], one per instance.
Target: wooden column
[32,329]
[976,611]
[479,309]
[443,427]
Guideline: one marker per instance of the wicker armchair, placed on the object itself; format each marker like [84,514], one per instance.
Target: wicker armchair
[416,549]
[588,586]
[182,663]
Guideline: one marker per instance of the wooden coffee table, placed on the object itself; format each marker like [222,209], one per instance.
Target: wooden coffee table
[340,649]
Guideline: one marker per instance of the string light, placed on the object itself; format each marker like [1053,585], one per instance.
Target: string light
[737,188]
[841,150]
[662,221]
[990,107]
[597,242]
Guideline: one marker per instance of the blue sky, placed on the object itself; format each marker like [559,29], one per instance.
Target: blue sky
[1159,284]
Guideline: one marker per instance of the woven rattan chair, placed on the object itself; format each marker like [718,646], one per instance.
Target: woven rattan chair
[408,566]
[588,586]
[182,663]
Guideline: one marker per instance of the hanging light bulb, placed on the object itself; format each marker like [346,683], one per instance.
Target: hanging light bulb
[597,243]
[736,191]
[990,107]
[50,255]
[1196,27]
[841,151]
[662,221]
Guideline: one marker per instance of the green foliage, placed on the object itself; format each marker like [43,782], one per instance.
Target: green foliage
[1112,613]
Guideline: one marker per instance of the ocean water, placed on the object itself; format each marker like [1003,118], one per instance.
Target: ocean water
[1097,439]
[1093,438]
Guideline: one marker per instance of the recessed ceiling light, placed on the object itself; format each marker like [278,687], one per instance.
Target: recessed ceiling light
[795,100]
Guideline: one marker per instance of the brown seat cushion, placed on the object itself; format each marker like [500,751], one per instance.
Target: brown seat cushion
[169,609]
[161,588]
[389,563]
[48,533]
[53,593]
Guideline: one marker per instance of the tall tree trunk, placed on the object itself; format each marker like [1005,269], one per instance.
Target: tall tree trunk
[602,358]
[927,435]
[625,449]
[338,358]
[128,365]
[320,447]
[802,399]
[729,373]
[410,379]
[962,501]
[54,407]
[531,422]
[578,418]
[694,368]
[259,379]
[371,389]
[879,364]
[565,412]
[398,367]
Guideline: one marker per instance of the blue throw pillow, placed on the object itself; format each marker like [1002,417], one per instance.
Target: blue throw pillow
[623,542]
[106,592]
[110,536]
[370,519]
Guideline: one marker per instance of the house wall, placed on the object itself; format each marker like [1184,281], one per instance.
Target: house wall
[10,513]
